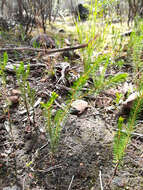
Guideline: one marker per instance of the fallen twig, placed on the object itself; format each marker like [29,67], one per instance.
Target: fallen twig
[46,50]
[71,182]
[51,168]
[42,147]
[100,177]
[114,173]
[10,68]
[132,134]
[63,87]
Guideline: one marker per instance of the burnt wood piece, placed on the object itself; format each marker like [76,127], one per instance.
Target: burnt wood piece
[128,33]
[81,12]
[48,52]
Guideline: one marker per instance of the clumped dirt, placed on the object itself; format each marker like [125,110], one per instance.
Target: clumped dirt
[85,151]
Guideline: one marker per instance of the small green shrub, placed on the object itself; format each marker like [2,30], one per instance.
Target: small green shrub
[27,93]
[53,125]
[124,131]
[3,63]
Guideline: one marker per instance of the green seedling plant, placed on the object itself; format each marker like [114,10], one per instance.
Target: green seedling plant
[119,142]
[118,98]
[31,97]
[27,93]
[53,128]
[54,124]
[3,63]
[100,80]
[21,32]
[119,146]
[35,44]
[124,132]
[115,39]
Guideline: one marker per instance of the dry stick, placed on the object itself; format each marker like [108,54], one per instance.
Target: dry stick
[71,183]
[115,171]
[51,168]
[133,134]
[100,177]
[46,50]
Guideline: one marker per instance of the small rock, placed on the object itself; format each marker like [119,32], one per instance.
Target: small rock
[79,106]
[128,104]
[16,92]
[68,43]
[13,100]
[119,182]
[81,11]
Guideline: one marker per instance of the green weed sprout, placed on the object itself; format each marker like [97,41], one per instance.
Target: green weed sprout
[123,136]
[22,32]
[27,93]
[118,98]
[120,140]
[53,125]
[124,132]
[100,81]
[3,64]
[35,44]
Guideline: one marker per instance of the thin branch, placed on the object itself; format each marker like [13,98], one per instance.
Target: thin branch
[100,177]
[71,183]
[46,50]
[51,168]
[132,134]
[42,147]
[43,50]
[114,173]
